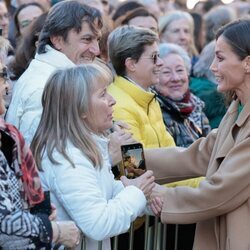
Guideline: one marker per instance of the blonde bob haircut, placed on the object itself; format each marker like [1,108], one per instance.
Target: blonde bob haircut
[66,101]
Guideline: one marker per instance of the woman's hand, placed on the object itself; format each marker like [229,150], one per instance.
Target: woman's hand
[53,212]
[156,205]
[144,182]
[155,200]
[66,233]
[119,137]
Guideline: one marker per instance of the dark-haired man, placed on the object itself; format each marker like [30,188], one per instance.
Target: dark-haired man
[69,37]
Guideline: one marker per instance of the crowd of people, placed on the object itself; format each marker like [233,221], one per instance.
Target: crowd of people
[81,78]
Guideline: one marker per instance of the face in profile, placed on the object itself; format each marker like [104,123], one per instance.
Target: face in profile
[178,32]
[3,88]
[228,69]
[173,78]
[100,116]
[80,47]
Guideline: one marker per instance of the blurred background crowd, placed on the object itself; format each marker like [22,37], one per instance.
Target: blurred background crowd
[162,86]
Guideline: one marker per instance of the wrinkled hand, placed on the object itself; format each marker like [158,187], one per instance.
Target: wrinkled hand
[156,205]
[69,233]
[144,182]
[119,137]
[53,212]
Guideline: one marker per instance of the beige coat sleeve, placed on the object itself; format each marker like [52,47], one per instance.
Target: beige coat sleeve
[174,164]
[227,188]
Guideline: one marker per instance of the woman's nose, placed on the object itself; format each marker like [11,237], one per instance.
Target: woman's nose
[175,76]
[213,66]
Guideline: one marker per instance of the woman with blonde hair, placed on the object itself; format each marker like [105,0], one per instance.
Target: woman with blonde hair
[25,211]
[71,151]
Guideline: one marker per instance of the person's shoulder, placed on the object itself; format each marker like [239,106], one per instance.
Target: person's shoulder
[201,84]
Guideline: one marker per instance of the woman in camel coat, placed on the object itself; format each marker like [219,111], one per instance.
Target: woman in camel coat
[221,203]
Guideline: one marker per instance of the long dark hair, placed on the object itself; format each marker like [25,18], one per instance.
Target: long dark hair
[237,35]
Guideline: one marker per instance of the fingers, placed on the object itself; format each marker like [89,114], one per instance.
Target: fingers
[147,174]
[148,189]
[121,138]
[53,213]
[154,209]
[156,206]
[70,234]
[119,125]
[125,181]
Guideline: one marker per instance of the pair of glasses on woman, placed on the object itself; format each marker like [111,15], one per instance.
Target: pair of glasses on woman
[153,57]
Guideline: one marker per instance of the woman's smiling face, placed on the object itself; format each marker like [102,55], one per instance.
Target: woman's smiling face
[173,78]
[229,69]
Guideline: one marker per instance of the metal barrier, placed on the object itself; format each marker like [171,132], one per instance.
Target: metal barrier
[155,237]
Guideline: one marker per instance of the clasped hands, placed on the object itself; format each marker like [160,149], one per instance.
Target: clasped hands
[152,191]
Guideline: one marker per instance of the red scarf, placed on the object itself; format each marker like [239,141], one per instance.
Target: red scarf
[24,166]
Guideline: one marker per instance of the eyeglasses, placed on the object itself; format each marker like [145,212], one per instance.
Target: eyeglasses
[153,57]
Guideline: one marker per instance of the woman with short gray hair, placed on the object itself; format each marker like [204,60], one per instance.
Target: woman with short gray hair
[183,117]
[182,111]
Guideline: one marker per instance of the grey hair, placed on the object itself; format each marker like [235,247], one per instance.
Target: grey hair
[66,101]
[175,15]
[202,66]
[166,49]
[128,41]
[65,16]
[216,18]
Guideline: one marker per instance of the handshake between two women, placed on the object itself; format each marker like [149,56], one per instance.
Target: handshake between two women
[152,191]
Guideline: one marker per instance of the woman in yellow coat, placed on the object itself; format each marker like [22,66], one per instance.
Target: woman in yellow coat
[135,57]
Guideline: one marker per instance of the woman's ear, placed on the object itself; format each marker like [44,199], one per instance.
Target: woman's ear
[247,64]
[130,64]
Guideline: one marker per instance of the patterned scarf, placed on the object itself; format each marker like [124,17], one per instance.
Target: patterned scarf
[24,166]
[185,105]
